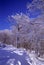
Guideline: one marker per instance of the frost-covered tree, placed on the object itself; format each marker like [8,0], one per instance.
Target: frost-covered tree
[40,38]
[7,37]
[36,7]
[23,29]
[27,30]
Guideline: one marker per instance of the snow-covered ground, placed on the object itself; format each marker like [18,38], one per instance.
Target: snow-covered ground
[35,60]
[10,55]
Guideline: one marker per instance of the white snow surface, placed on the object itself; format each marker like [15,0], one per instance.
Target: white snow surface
[35,60]
[10,55]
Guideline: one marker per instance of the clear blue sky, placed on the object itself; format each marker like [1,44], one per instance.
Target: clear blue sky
[9,7]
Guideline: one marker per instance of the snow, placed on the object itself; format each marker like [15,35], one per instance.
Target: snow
[35,60]
[11,61]
[10,55]
[19,62]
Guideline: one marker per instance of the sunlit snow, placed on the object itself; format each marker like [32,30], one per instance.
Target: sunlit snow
[10,55]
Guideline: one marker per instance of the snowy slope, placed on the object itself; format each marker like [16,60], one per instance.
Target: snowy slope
[13,56]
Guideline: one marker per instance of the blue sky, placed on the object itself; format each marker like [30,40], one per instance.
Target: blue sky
[10,7]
